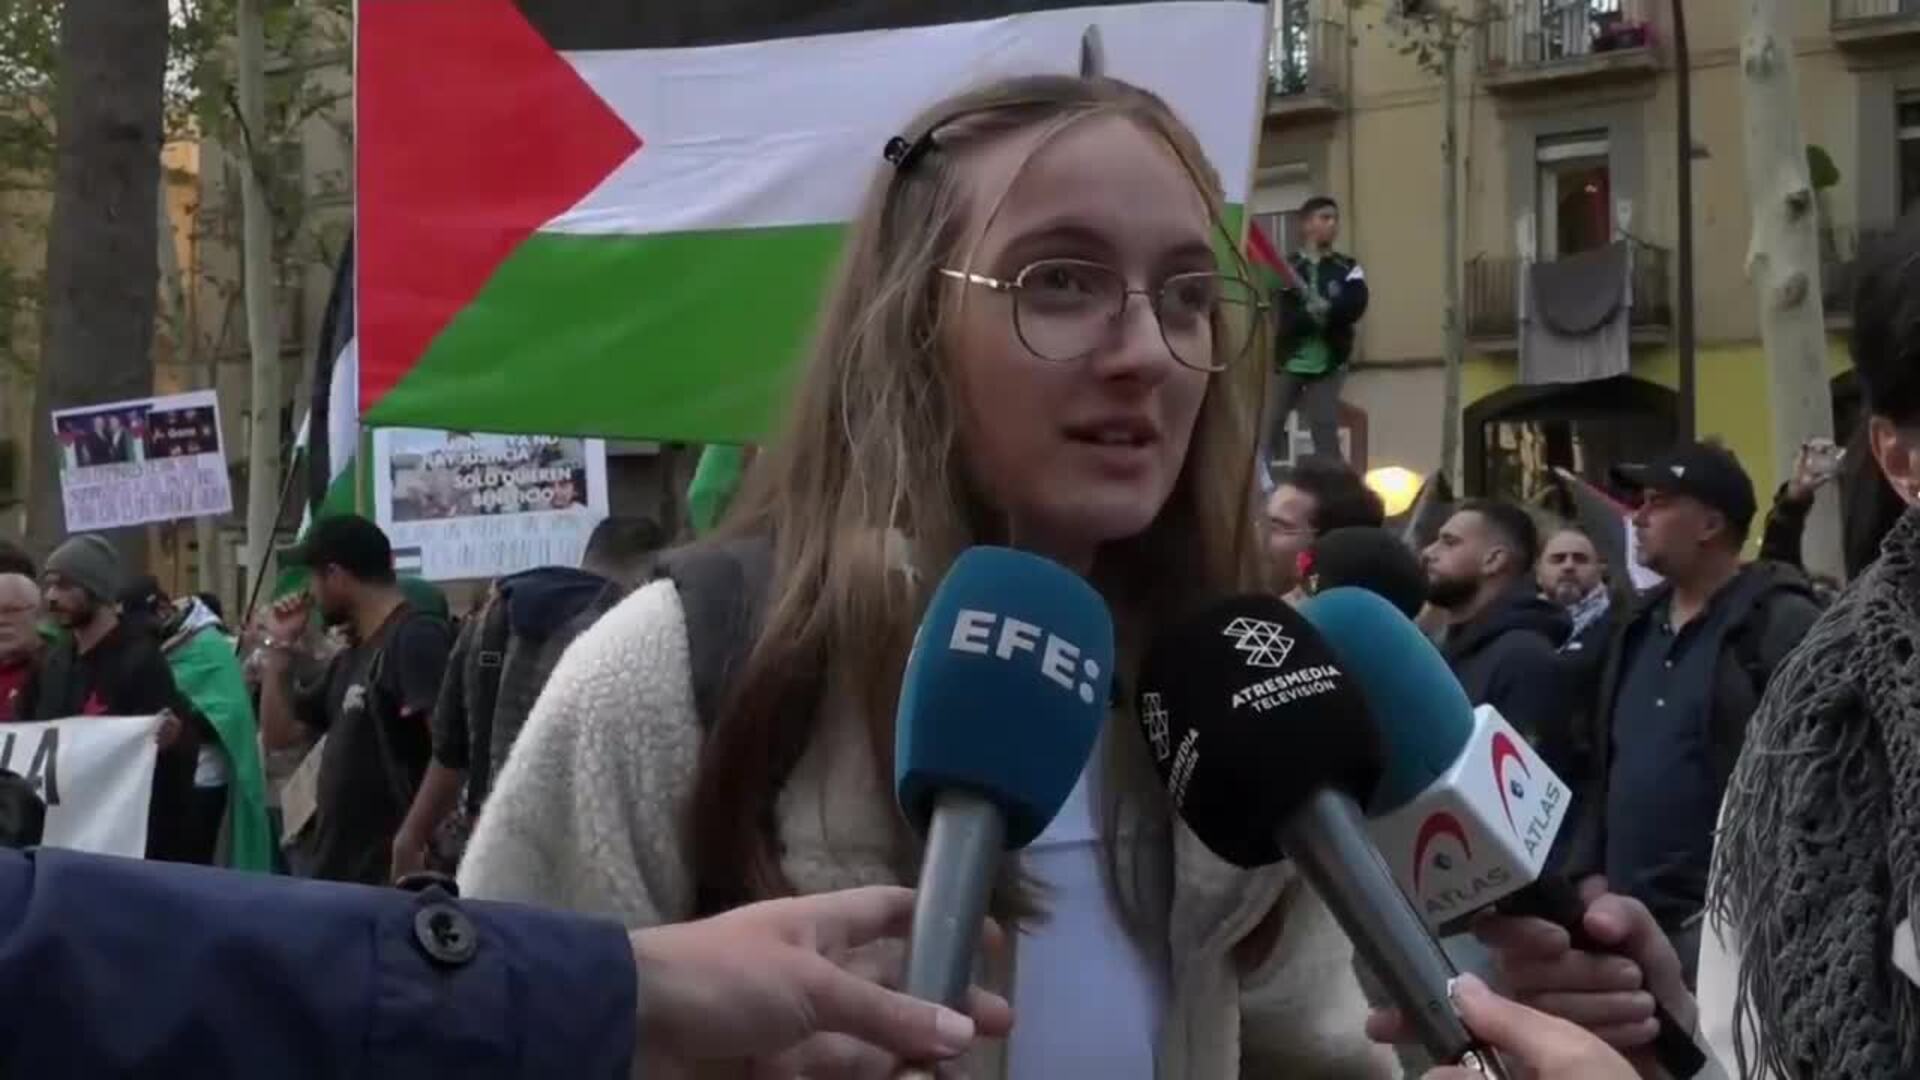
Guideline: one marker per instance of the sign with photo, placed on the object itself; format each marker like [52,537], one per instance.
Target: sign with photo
[460,505]
[139,461]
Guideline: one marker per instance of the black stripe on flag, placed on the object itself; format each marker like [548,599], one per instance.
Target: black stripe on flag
[581,25]
[336,329]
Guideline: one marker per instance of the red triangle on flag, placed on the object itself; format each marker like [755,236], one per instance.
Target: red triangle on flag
[472,132]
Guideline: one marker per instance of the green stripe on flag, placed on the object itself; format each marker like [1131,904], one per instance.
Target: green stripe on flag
[699,330]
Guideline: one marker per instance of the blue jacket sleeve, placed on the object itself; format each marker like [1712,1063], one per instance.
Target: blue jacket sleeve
[114,967]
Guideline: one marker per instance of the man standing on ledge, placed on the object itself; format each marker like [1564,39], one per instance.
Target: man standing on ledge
[1317,325]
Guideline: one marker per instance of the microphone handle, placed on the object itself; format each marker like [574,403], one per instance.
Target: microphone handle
[1555,898]
[964,845]
[1327,839]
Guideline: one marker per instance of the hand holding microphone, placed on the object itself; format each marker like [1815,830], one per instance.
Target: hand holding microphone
[1611,993]
[1468,815]
[1550,1048]
[1266,750]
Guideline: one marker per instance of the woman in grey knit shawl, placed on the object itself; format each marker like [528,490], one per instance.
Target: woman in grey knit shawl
[1819,856]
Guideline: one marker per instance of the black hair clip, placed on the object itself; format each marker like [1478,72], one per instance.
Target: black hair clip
[903,154]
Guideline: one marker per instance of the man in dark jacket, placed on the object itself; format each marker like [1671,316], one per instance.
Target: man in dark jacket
[1501,637]
[1317,327]
[102,667]
[499,664]
[1683,674]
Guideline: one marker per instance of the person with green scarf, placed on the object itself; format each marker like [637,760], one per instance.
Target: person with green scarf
[229,782]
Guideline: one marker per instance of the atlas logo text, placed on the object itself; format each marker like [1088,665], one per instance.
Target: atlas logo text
[983,633]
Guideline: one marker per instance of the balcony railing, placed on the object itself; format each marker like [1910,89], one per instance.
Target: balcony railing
[1872,24]
[1307,58]
[1850,11]
[1492,295]
[1536,34]
[1842,252]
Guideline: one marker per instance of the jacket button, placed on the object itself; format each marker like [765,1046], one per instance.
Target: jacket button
[445,933]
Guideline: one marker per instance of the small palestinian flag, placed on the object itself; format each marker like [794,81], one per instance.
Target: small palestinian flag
[611,217]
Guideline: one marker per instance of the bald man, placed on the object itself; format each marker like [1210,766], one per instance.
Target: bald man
[19,636]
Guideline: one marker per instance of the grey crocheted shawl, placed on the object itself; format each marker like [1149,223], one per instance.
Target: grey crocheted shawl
[1819,855]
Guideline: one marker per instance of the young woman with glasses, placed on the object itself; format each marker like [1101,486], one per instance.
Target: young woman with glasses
[1031,342]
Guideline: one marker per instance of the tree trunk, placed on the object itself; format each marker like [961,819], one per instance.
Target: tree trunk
[97,335]
[257,285]
[1783,261]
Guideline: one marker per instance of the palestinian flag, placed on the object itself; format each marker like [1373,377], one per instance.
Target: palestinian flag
[332,428]
[615,218]
[1269,263]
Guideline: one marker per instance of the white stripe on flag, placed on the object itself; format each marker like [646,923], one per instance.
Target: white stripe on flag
[787,131]
[343,410]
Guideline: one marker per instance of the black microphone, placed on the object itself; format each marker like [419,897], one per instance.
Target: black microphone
[1267,751]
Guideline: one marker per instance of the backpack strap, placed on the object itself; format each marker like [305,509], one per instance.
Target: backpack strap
[723,587]
[489,661]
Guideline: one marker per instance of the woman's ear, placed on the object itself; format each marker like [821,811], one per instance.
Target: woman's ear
[1897,450]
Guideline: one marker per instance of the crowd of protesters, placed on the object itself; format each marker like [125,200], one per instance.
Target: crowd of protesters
[665,739]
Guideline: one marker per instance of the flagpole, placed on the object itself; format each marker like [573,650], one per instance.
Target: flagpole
[260,572]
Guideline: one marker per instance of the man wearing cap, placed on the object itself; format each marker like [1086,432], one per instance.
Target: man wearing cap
[1683,673]
[100,667]
[373,705]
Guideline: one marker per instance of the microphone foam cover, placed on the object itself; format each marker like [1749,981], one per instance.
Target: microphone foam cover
[1422,713]
[1009,682]
[1247,714]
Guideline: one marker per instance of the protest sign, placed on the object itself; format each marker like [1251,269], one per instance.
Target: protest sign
[95,774]
[148,459]
[461,505]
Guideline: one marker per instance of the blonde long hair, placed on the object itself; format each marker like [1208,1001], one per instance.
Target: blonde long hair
[870,451]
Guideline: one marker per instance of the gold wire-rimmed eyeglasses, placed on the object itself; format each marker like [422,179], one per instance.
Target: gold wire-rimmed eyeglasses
[1066,309]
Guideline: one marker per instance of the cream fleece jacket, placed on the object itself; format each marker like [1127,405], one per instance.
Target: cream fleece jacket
[583,817]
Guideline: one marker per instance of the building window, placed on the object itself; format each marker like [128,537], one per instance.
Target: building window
[1290,56]
[1909,125]
[1276,203]
[1576,194]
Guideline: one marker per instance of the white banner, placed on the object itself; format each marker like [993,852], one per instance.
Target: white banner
[95,774]
[461,505]
[149,459]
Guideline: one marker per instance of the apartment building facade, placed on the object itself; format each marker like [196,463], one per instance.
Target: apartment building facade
[1568,166]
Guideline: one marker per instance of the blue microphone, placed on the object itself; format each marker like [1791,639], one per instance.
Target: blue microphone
[1005,692]
[1422,711]
[1466,812]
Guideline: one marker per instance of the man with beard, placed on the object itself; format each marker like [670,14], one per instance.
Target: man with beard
[101,667]
[1573,576]
[1501,638]
[373,704]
